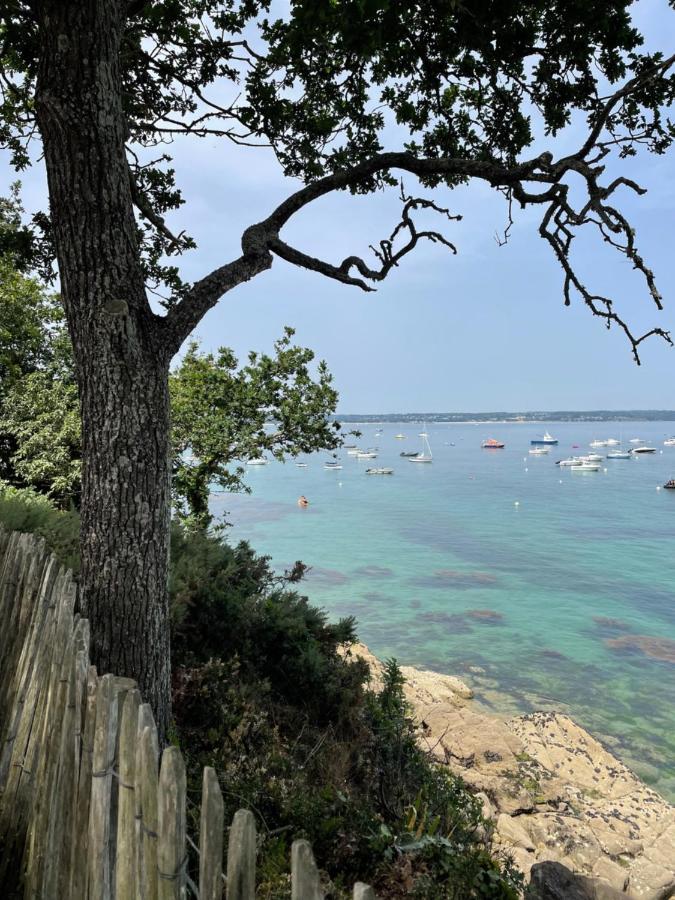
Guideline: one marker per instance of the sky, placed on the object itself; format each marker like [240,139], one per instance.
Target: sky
[482,330]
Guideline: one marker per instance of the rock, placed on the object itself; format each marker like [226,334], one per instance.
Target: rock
[554,881]
[559,797]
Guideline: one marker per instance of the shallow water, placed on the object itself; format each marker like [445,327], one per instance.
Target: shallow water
[443,570]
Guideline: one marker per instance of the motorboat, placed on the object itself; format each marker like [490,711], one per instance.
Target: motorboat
[539,451]
[587,466]
[570,461]
[399,437]
[592,458]
[349,447]
[612,442]
[492,444]
[643,450]
[301,465]
[353,451]
[619,454]
[259,461]
[408,453]
[599,444]
[669,442]
[423,457]
[546,439]
[636,441]
[670,485]
[366,454]
[383,471]
[332,465]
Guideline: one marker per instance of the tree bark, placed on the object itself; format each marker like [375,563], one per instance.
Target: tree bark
[121,361]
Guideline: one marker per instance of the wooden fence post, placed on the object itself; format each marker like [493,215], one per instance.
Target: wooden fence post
[171,858]
[241,857]
[211,838]
[101,786]
[125,862]
[146,778]
[305,881]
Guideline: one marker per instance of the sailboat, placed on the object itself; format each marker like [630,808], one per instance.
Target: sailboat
[423,457]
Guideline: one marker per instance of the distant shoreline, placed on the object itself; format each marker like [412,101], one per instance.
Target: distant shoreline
[510,418]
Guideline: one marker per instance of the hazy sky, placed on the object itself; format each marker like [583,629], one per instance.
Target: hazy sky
[483,330]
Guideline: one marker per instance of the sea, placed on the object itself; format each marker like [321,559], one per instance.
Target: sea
[541,587]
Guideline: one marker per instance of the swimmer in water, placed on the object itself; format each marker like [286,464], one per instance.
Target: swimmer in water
[303,501]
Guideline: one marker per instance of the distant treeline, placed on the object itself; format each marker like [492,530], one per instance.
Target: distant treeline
[596,415]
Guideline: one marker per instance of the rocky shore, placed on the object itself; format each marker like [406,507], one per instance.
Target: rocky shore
[576,820]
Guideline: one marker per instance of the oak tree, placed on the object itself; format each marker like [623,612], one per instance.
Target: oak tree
[468,86]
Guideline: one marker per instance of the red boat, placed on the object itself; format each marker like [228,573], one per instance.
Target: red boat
[492,444]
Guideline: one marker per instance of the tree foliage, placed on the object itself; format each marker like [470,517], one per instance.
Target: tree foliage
[458,90]
[222,413]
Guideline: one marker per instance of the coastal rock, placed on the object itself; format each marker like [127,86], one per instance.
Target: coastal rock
[567,810]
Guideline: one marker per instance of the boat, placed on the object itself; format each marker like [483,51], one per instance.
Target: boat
[399,437]
[353,451]
[332,465]
[546,439]
[670,485]
[612,442]
[383,471]
[259,461]
[301,465]
[586,466]
[643,450]
[349,447]
[570,461]
[366,454]
[591,457]
[423,457]
[539,451]
[619,454]
[669,442]
[492,444]
[598,444]
[408,453]
[636,441]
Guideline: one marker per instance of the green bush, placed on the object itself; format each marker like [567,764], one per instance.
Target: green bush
[27,510]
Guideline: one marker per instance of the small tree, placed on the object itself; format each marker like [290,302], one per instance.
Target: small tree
[467,85]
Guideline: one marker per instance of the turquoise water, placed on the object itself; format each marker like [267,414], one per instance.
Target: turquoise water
[443,570]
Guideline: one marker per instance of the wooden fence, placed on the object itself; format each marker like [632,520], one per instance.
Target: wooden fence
[88,808]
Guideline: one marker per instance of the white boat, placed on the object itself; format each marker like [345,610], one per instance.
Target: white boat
[598,444]
[619,454]
[591,457]
[301,465]
[366,454]
[587,467]
[332,465]
[384,471]
[423,457]
[669,442]
[636,441]
[399,437]
[643,450]
[539,451]
[260,461]
[570,461]
[353,451]
[612,442]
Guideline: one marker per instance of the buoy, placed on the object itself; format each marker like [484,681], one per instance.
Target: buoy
[526,469]
[658,487]
[561,481]
[517,503]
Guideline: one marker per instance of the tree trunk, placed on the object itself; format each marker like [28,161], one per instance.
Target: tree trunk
[122,365]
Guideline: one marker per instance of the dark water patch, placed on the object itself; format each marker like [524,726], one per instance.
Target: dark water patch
[549,654]
[453,622]
[320,575]
[662,649]
[415,604]
[376,597]
[486,616]
[373,572]
[455,578]
[609,624]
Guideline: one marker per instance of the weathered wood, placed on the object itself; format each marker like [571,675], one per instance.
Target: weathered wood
[363,892]
[147,771]
[99,877]
[211,838]
[80,848]
[305,880]
[125,866]
[241,847]
[171,854]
